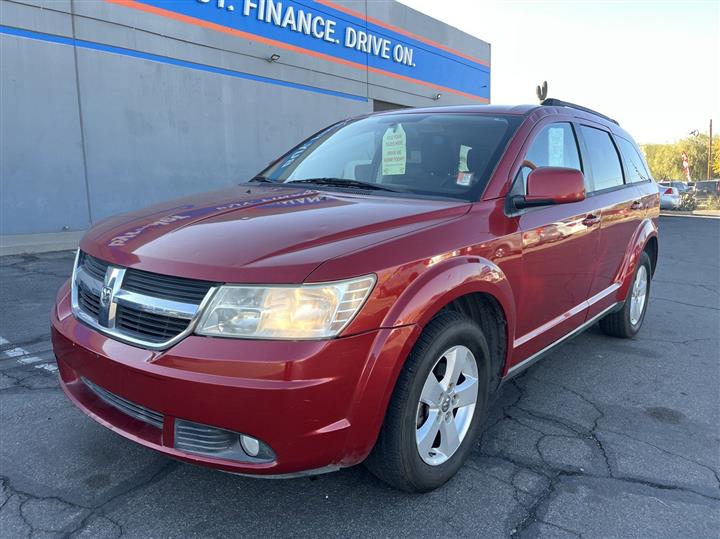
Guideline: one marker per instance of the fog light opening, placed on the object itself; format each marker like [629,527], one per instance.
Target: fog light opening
[215,442]
[250,445]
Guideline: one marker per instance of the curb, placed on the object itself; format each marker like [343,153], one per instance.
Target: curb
[23,244]
[702,214]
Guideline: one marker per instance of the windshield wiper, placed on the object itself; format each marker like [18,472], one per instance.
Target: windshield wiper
[341,182]
[261,179]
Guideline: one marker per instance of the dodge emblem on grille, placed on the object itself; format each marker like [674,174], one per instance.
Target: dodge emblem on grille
[105,295]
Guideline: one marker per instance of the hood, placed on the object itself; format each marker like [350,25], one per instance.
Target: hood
[258,234]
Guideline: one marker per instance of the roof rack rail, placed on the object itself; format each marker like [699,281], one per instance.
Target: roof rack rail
[551,102]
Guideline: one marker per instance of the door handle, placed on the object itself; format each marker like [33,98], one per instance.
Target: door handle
[591,219]
[636,205]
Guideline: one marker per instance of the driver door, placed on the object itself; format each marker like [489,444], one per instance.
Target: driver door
[559,246]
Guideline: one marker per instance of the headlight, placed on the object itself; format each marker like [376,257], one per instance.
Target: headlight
[311,311]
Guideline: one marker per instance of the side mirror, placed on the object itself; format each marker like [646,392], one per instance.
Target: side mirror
[552,185]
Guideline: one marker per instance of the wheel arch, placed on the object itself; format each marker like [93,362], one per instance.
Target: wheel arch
[453,284]
[487,312]
[644,239]
[651,246]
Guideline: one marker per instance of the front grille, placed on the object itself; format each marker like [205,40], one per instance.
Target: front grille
[139,412]
[94,266]
[89,302]
[149,326]
[164,286]
[143,308]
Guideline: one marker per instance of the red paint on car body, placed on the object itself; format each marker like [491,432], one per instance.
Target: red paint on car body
[321,403]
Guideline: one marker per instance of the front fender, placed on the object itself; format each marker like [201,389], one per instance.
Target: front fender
[443,282]
[448,280]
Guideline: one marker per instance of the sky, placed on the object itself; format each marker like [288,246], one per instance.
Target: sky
[653,66]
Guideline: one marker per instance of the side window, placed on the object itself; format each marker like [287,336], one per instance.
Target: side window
[554,146]
[635,169]
[603,158]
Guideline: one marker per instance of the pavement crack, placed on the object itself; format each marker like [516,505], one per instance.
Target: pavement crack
[664,486]
[558,527]
[655,298]
[692,285]
[88,511]
[100,509]
[663,450]
[531,516]
[684,342]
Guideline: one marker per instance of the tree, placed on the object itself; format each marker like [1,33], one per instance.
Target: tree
[666,163]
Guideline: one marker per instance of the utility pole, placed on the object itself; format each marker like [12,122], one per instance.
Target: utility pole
[709,170]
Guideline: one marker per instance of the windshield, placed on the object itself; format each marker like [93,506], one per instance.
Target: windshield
[435,154]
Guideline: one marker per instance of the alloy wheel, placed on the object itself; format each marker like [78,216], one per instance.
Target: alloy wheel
[447,405]
[638,295]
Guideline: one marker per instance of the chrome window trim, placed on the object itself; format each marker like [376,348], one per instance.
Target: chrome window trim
[113,281]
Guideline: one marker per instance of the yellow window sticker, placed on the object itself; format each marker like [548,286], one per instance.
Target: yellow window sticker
[394,151]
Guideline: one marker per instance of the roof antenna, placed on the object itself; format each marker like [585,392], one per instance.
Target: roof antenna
[541,91]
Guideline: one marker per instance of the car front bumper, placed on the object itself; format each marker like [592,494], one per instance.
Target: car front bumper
[317,404]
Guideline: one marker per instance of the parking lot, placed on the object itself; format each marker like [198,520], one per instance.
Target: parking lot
[603,438]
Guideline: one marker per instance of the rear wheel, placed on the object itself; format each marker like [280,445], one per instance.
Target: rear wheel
[627,321]
[436,410]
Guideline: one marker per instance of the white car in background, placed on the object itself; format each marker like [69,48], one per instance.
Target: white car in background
[669,197]
[682,187]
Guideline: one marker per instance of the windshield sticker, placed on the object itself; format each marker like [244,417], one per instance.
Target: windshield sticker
[464,178]
[556,146]
[394,151]
[463,166]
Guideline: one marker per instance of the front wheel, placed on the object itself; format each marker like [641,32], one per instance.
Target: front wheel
[627,321]
[437,407]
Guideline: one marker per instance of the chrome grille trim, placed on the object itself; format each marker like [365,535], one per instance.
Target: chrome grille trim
[143,320]
[137,411]
[177,289]
[165,307]
[147,326]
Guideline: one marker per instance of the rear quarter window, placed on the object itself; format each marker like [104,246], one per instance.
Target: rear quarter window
[635,169]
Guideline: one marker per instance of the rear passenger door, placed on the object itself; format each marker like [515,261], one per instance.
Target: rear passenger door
[618,206]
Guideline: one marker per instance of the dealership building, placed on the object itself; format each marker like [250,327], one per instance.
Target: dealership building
[110,105]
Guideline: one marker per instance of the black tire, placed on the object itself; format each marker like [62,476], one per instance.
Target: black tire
[395,458]
[619,324]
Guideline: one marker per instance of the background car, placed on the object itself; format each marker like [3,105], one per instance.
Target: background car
[707,190]
[682,187]
[669,197]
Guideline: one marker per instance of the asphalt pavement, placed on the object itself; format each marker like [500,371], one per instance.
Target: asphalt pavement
[603,438]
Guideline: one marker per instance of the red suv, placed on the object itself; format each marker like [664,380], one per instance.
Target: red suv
[364,296]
